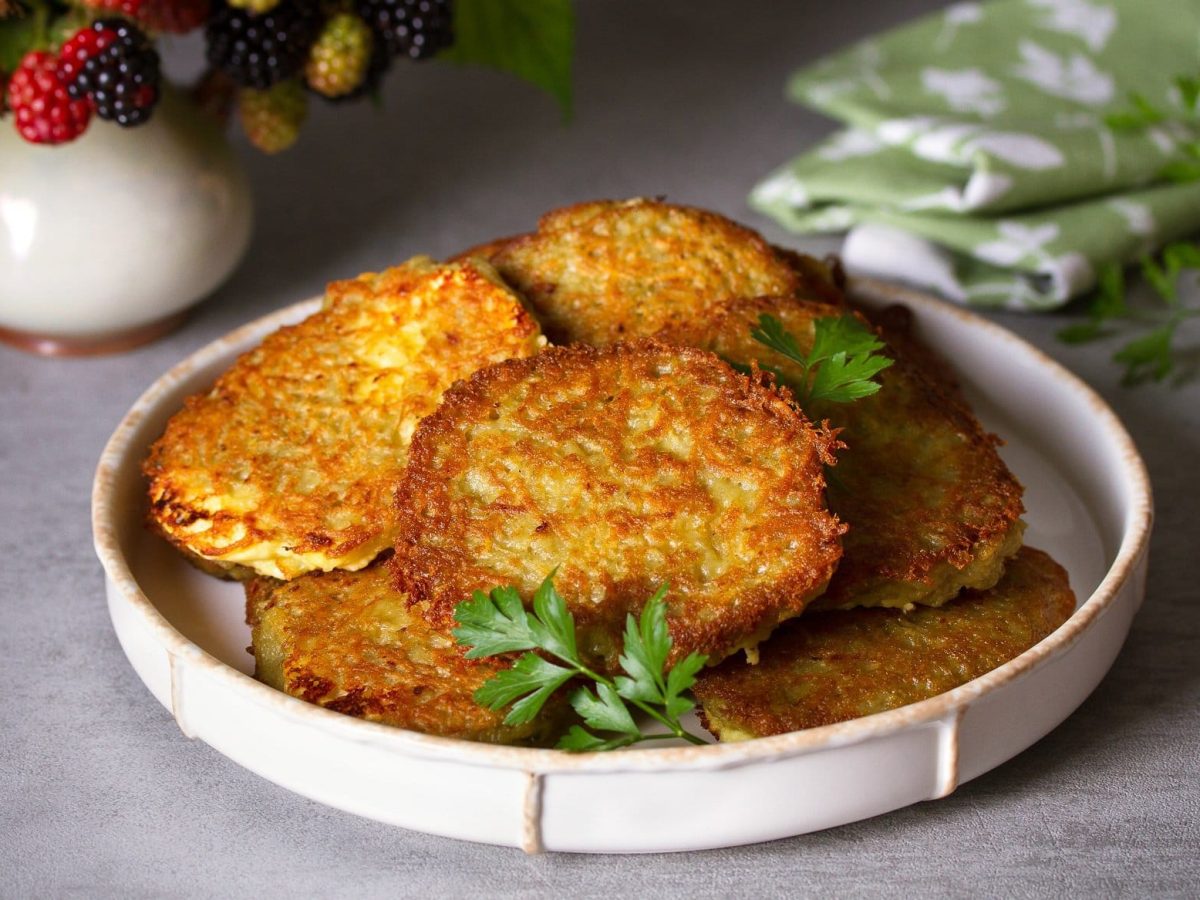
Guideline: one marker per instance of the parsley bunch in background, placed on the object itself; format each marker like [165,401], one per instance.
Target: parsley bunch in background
[1153,354]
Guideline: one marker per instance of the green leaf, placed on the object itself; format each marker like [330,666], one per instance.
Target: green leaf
[554,625]
[681,678]
[17,37]
[1081,333]
[1110,296]
[1182,255]
[842,334]
[579,740]
[647,646]
[1189,93]
[1181,171]
[1148,356]
[1160,279]
[771,333]
[842,379]
[1142,114]
[530,675]
[532,39]
[842,362]
[497,622]
[494,623]
[603,710]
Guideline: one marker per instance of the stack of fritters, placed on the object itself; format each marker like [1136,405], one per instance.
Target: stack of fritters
[418,410]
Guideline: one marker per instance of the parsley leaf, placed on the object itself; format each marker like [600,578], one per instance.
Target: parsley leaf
[531,679]
[494,623]
[1143,114]
[841,365]
[497,622]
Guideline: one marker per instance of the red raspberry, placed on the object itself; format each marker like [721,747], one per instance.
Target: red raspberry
[44,112]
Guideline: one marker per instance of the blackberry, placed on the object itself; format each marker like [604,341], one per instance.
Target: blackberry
[258,51]
[113,64]
[417,29]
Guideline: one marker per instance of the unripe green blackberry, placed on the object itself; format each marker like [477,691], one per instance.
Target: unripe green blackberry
[272,118]
[340,57]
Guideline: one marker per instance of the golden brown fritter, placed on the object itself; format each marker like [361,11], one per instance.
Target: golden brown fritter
[831,666]
[626,467]
[616,270]
[931,507]
[289,462]
[349,642]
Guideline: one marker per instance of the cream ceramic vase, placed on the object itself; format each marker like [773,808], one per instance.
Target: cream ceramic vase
[105,242]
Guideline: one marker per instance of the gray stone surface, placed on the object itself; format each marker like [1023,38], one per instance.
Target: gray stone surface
[100,795]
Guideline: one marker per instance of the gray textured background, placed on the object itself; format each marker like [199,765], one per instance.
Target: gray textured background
[101,795]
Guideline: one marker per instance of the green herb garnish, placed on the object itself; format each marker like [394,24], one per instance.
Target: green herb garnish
[840,367]
[1142,113]
[1151,355]
[498,622]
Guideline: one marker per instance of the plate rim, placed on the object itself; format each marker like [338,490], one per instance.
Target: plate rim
[542,761]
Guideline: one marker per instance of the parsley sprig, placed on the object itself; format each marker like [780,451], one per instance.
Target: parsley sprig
[1150,356]
[1142,113]
[840,367]
[497,622]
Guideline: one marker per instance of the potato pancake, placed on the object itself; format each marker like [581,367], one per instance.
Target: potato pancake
[616,270]
[349,642]
[831,666]
[931,508]
[289,462]
[624,468]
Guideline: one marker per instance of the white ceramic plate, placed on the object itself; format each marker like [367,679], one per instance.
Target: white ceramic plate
[1089,505]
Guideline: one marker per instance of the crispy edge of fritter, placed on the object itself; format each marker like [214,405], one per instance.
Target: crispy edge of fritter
[792,271]
[439,578]
[975,557]
[171,510]
[843,664]
[316,639]
[821,280]
[485,251]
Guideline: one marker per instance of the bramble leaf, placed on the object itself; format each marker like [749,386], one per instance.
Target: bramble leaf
[532,39]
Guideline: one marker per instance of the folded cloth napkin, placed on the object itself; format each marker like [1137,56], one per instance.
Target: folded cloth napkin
[977,160]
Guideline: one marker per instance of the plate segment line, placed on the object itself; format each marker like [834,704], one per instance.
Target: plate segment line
[947,757]
[531,819]
[177,671]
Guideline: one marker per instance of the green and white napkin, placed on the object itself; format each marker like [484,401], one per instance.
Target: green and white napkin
[977,160]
